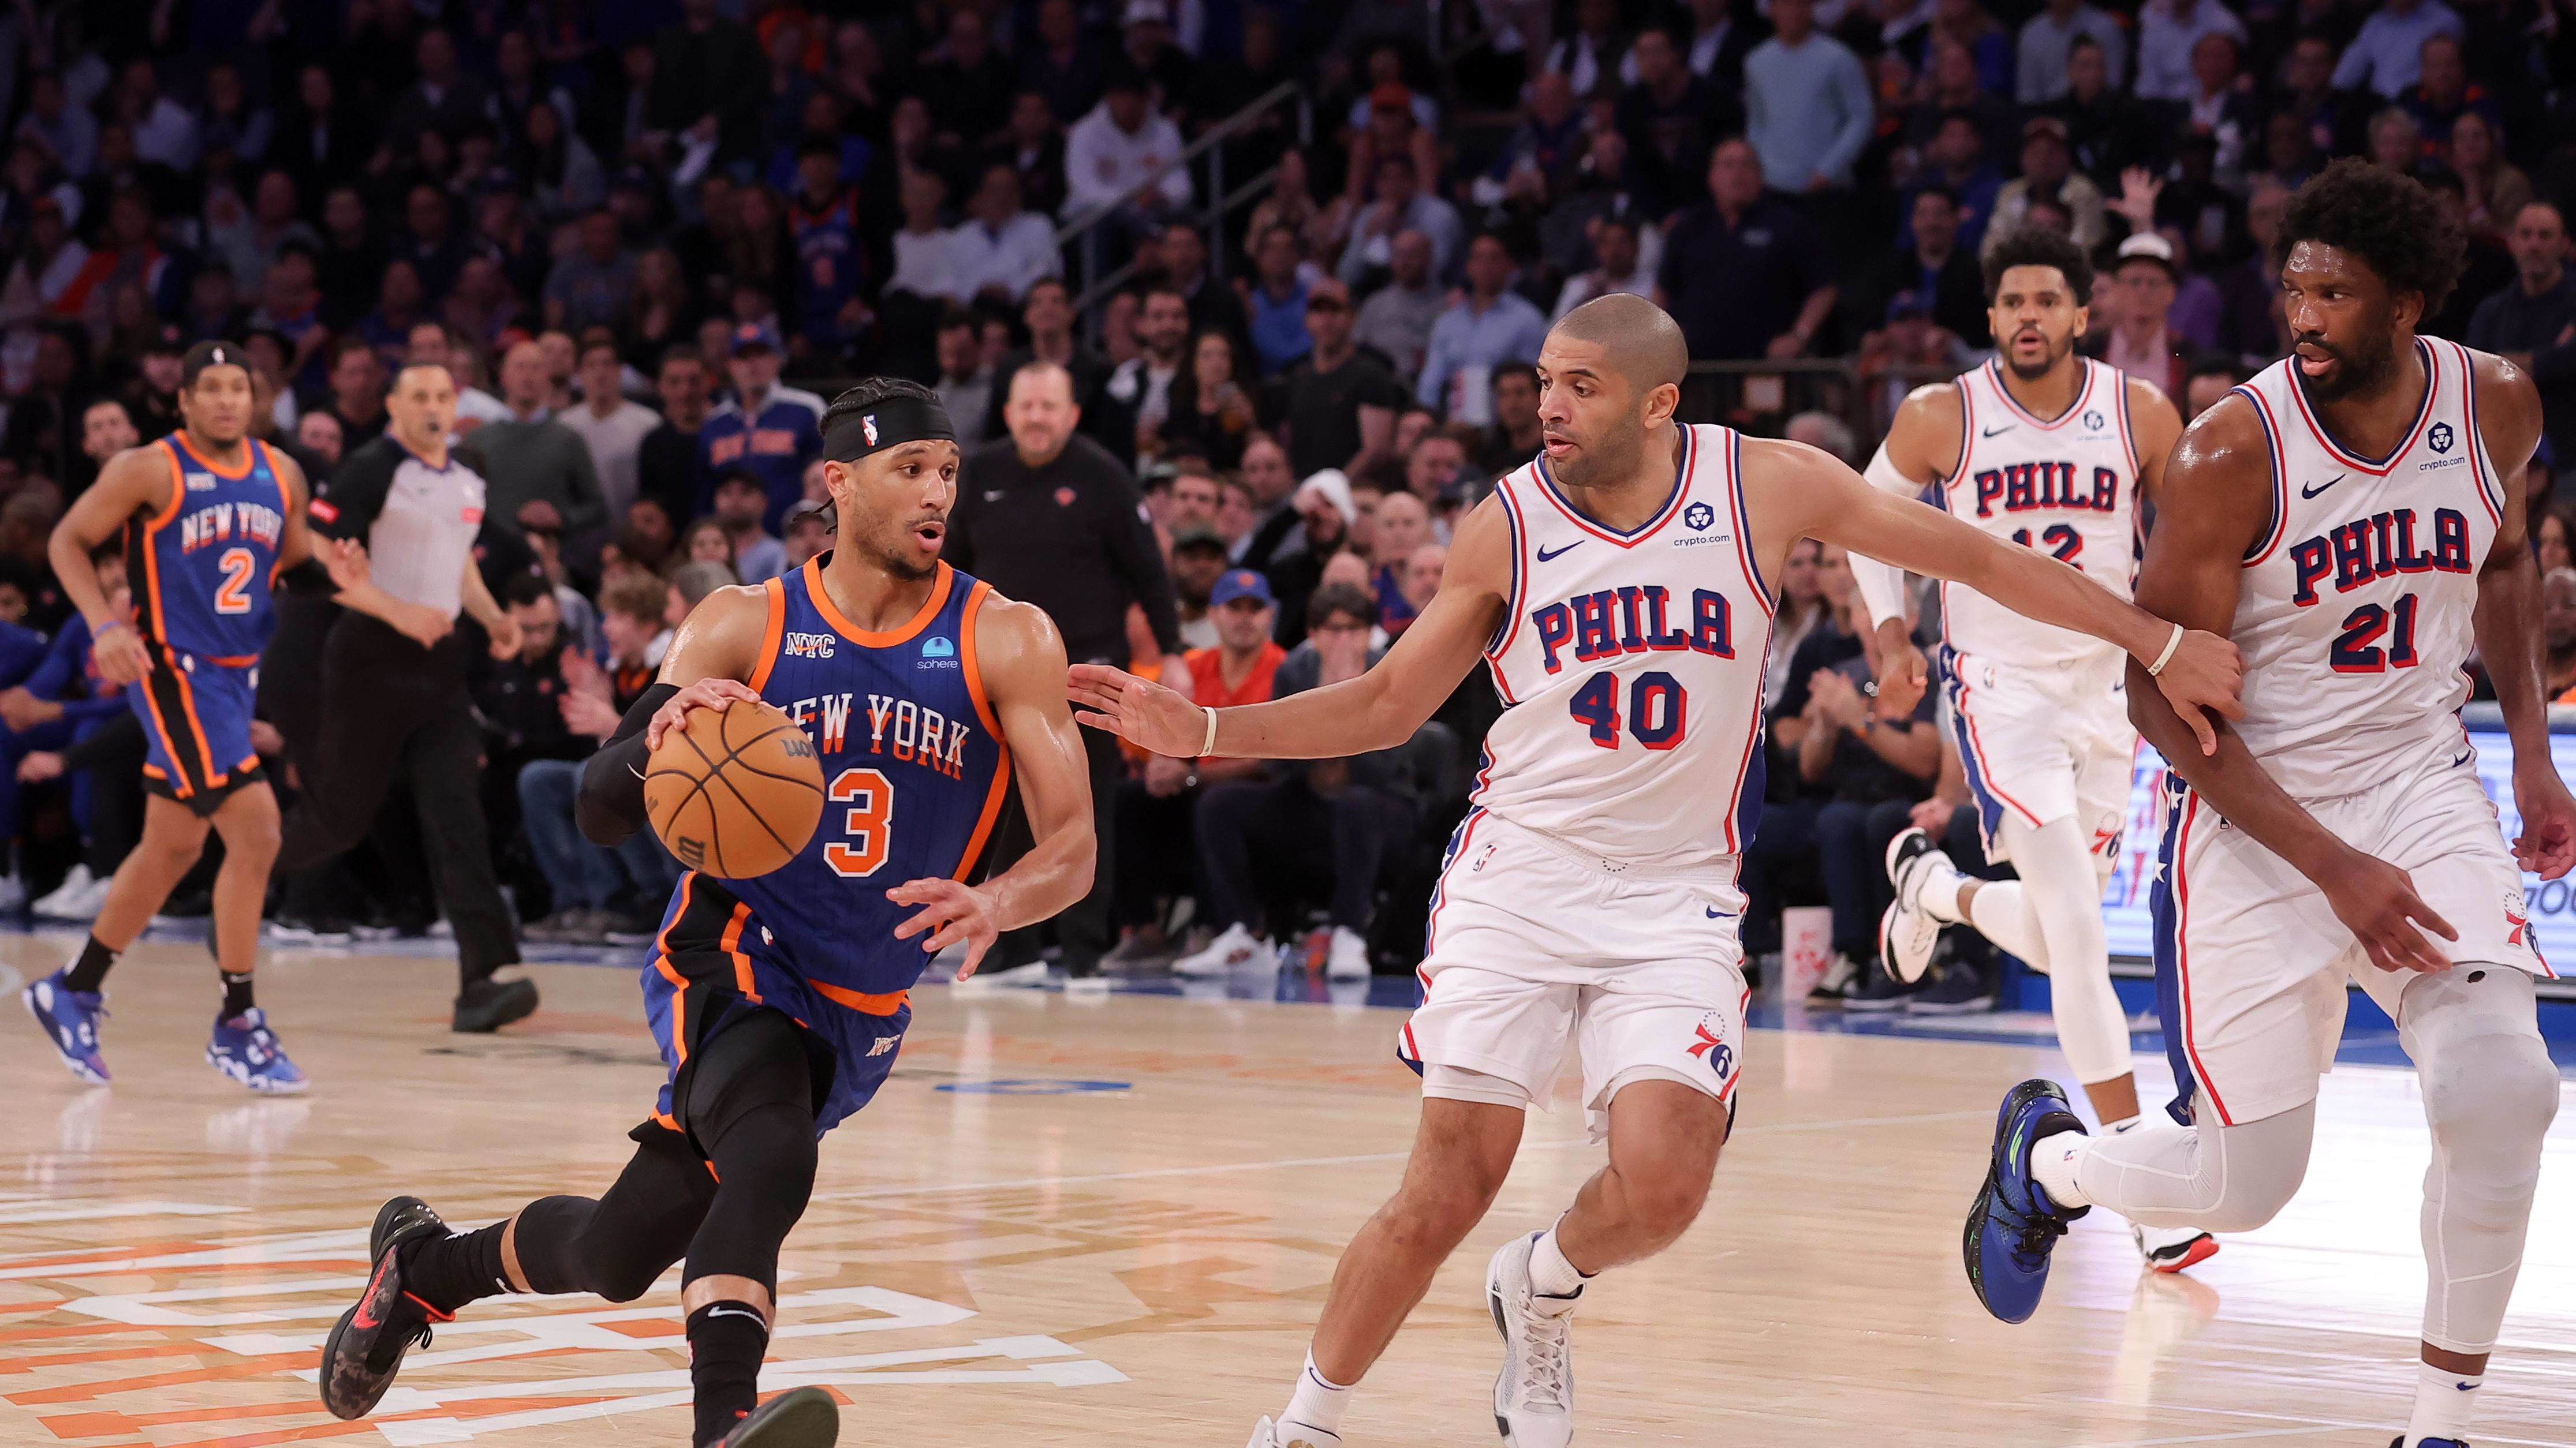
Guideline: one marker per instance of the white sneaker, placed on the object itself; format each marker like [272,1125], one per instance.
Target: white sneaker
[77,898]
[1237,949]
[1907,932]
[2171,1249]
[1032,976]
[1347,958]
[1266,1434]
[1534,1396]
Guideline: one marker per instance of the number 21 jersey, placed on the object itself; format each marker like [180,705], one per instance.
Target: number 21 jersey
[1630,666]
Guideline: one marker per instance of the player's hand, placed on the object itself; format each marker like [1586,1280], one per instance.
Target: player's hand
[346,560]
[2204,677]
[2376,901]
[1902,674]
[1140,711]
[120,654]
[704,694]
[505,636]
[954,914]
[421,623]
[2547,844]
[40,766]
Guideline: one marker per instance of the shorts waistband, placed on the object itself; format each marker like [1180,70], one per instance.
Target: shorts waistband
[1721,868]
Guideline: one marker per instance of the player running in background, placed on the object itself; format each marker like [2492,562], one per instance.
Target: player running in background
[212,518]
[2053,451]
[779,1002]
[1616,587]
[2352,517]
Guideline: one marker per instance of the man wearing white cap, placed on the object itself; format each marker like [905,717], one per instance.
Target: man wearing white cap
[2138,341]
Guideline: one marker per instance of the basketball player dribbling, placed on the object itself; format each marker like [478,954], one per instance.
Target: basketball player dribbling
[2353,518]
[2048,450]
[1616,587]
[779,1002]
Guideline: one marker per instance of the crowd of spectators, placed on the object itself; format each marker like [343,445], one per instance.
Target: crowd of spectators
[647,239]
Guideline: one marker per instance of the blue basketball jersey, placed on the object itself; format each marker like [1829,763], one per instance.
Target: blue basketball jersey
[914,774]
[201,569]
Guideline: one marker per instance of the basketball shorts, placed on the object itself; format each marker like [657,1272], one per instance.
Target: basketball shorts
[196,713]
[1537,951]
[711,965]
[2251,963]
[2044,742]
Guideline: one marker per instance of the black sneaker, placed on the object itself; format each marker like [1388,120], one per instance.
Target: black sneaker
[485,1006]
[1877,991]
[797,1418]
[1841,978]
[366,1346]
[1959,989]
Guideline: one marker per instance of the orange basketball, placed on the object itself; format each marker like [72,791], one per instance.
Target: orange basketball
[737,792]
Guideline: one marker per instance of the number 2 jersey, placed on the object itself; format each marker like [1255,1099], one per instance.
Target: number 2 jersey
[1630,666]
[200,564]
[914,774]
[2354,615]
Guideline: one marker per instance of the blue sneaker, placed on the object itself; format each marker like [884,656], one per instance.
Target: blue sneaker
[71,1018]
[2400,1442]
[245,1049]
[2014,1225]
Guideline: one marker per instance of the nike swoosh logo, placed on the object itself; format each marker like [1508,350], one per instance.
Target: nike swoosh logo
[729,1312]
[2463,759]
[2308,492]
[365,1316]
[1544,556]
[2468,1387]
[1723,914]
[995,495]
[1998,431]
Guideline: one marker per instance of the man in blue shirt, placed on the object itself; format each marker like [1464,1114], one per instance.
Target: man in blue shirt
[2388,54]
[1490,324]
[770,430]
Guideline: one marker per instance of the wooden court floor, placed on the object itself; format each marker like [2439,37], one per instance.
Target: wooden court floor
[1110,1221]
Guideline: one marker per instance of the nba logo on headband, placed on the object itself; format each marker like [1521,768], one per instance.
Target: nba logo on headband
[868,425]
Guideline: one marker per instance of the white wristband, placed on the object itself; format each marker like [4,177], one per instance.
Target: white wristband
[1207,746]
[2156,668]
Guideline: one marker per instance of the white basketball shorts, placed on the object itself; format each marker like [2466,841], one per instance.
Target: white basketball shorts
[2044,742]
[1536,948]
[2251,963]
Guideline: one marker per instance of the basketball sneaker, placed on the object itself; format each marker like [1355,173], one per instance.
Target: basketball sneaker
[70,1018]
[1347,956]
[2400,1442]
[797,1418]
[484,1006]
[1534,1396]
[1236,949]
[1266,1434]
[2013,1226]
[2171,1249]
[244,1048]
[366,1346]
[1907,932]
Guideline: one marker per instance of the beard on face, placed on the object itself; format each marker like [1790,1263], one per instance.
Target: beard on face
[897,553]
[2362,367]
[2053,355]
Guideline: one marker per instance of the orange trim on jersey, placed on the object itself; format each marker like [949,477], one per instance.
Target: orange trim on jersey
[679,1011]
[873,1005]
[169,742]
[731,944]
[154,771]
[151,526]
[231,661]
[250,459]
[776,588]
[1001,786]
[1995,370]
[286,501]
[196,726]
[899,634]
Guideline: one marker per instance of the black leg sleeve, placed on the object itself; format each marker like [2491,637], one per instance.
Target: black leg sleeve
[616,1246]
[751,1108]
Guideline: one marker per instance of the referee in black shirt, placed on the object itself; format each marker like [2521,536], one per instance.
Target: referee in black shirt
[394,700]
[1053,519]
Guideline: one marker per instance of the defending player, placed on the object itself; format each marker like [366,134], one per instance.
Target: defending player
[780,1002]
[2052,451]
[212,518]
[2350,516]
[1589,900]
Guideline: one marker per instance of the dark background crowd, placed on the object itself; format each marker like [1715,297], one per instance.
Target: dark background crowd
[1275,269]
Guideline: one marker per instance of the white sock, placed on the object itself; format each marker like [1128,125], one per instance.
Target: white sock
[2052,1165]
[1317,1403]
[1939,897]
[1554,1281]
[2442,1404]
[2116,1128]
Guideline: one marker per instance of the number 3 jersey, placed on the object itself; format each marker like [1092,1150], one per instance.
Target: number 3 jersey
[1630,665]
[2354,615]
[914,774]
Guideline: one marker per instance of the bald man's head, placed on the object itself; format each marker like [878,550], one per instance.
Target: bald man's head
[1642,342]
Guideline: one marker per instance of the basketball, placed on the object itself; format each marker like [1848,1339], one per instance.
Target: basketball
[736,792]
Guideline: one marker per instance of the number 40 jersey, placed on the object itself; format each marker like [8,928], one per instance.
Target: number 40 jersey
[1631,668]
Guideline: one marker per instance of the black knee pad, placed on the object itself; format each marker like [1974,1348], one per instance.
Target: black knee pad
[551,1239]
[750,1108]
[758,1059]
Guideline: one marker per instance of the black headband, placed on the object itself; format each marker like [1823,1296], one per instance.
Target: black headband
[890,423]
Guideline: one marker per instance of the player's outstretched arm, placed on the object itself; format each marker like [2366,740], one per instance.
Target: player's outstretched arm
[1823,499]
[2507,621]
[1021,659]
[716,649]
[1922,448]
[1378,710]
[2215,500]
[134,481]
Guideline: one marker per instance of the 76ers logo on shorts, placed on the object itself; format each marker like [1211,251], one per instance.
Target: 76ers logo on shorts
[1709,1047]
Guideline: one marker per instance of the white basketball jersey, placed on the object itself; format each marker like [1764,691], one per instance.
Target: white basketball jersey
[2354,618]
[2067,486]
[1631,668]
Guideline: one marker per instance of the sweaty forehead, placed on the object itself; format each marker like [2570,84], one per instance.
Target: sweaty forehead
[2317,261]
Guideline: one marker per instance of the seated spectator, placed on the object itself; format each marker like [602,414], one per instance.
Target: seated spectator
[590,284]
[106,430]
[2396,142]
[1402,205]
[1275,301]
[46,707]
[1198,561]
[1512,439]
[2167,30]
[1488,326]
[1324,508]
[772,430]
[1331,822]
[357,392]
[966,380]
[612,427]
[1432,466]
[1741,273]
[2137,339]
[809,533]
[2047,169]
[1112,156]
[1210,413]
[1000,250]
[705,541]
[2529,320]
[1622,265]
[1403,525]
[320,434]
[1396,320]
[2495,189]
[925,256]
[530,456]
[611,896]
[1032,145]
[1143,383]
[740,503]
[2388,55]
[2039,74]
